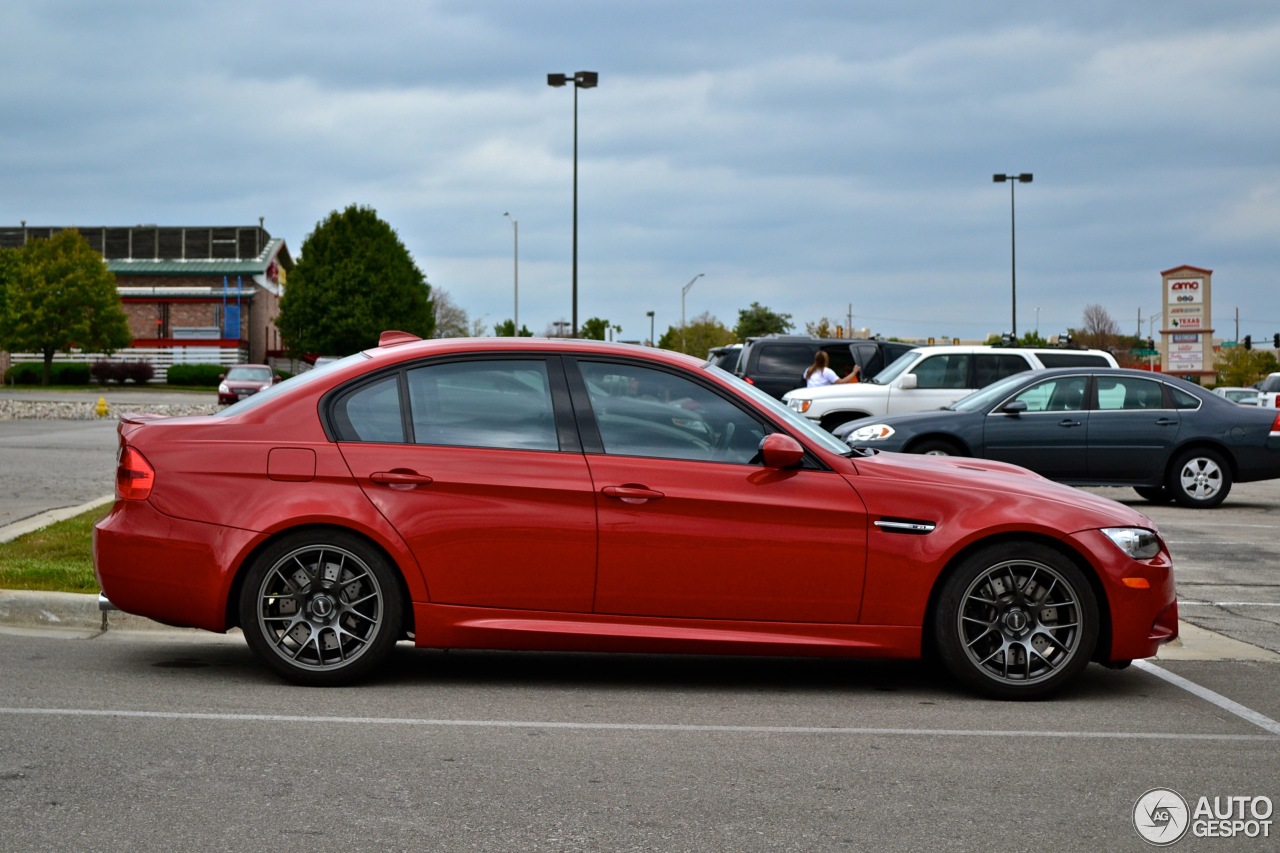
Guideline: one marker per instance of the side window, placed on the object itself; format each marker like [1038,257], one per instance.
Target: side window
[1071,359]
[943,371]
[990,368]
[641,411]
[871,357]
[487,403]
[841,359]
[1183,400]
[1061,394]
[791,359]
[1126,393]
[370,413]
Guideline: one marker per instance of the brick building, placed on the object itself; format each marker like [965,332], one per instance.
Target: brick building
[191,295]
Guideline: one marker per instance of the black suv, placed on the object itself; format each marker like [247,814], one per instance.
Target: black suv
[776,364]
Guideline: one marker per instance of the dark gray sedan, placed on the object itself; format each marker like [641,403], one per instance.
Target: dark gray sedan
[1168,438]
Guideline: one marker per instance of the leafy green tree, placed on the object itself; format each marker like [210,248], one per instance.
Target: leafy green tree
[758,320]
[699,336]
[507,329]
[823,328]
[354,280]
[59,296]
[596,329]
[1241,367]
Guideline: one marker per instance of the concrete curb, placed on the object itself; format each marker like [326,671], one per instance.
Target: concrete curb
[36,522]
[68,611]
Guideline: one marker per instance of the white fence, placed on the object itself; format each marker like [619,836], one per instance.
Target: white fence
[160,358]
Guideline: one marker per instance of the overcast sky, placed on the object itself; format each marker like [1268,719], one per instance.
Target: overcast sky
[810,156]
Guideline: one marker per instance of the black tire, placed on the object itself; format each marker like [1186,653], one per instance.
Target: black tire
[1154,494]
[1199,479]
[321,607]
[936,447]
[1016,620]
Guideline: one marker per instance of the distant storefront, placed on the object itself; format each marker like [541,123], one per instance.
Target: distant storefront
[191,295]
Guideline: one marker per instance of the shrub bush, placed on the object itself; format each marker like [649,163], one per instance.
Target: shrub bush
[120,372]
[199,375]
[30,373]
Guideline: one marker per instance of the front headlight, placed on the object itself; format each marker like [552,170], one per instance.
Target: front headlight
[1138,542]
[798,405]
[875,432]
[223,389]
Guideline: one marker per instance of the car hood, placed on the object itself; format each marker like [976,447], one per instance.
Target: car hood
[850,389]
[1079,509]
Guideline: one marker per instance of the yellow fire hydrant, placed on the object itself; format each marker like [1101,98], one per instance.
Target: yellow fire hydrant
[101,408]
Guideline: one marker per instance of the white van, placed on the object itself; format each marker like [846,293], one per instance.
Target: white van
[930,378]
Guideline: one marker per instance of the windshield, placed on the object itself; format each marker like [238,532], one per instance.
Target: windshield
[249,374]
[288,385]
[894,370]
[780,411]
[985,397]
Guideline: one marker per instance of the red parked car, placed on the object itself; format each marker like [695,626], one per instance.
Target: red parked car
[514,493]
[244,380]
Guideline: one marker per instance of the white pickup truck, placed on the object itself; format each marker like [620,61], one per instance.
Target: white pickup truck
[930,378]
[1269,391]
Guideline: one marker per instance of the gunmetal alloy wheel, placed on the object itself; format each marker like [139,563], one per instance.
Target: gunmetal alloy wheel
[1199,479]
[1017,621]
[321,609]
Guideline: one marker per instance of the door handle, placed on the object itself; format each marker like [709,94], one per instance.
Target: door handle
[632,494]
[1166,422]
[401,479]
[1067,422]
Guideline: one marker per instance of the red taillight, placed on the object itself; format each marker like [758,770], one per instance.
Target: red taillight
[748,380]
[1275,425]
[134,476]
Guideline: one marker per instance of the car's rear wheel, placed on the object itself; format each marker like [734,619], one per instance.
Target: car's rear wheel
[1199,479]
[321,607]
[1016,620]
[1155,494]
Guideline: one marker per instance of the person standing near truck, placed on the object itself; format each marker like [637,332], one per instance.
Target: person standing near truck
[820,372]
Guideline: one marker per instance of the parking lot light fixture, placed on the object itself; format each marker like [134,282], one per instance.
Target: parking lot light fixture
[684,292]
[1013,180]
[580,80]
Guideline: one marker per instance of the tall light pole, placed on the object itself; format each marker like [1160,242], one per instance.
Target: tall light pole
[683,292]
[581,80]
[649,314]
[1013,180]
[515,321]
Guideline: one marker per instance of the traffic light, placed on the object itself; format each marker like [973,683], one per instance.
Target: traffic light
[1275,341]
[1151,342]
[1248,341]
[840,332]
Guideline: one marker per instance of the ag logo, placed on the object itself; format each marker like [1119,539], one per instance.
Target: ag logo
[1161,816]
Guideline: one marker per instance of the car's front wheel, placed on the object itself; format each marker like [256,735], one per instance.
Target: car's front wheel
[1199,479]
[1154,494]
[937,447]
[1016,620]
[321,607]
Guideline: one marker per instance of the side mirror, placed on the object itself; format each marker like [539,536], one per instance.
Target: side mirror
[779,450]
[907,382]
[1014,407]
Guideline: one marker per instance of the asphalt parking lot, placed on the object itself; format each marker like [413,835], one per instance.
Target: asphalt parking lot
[161,740]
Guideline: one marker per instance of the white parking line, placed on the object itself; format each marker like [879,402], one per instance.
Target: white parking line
[639,727]
[1260,720]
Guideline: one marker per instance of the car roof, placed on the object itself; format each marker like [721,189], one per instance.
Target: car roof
[405,348]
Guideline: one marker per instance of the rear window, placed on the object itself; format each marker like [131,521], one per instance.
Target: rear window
[784,358]
[1072,359]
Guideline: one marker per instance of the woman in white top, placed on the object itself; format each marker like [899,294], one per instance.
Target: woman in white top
[820,372]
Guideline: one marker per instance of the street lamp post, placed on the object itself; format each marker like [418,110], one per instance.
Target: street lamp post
[1013,180]
[649,314]
[515,321]
[581,80]
[683,292]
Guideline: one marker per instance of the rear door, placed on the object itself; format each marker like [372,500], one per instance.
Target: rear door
[1132,430]
[471,462]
